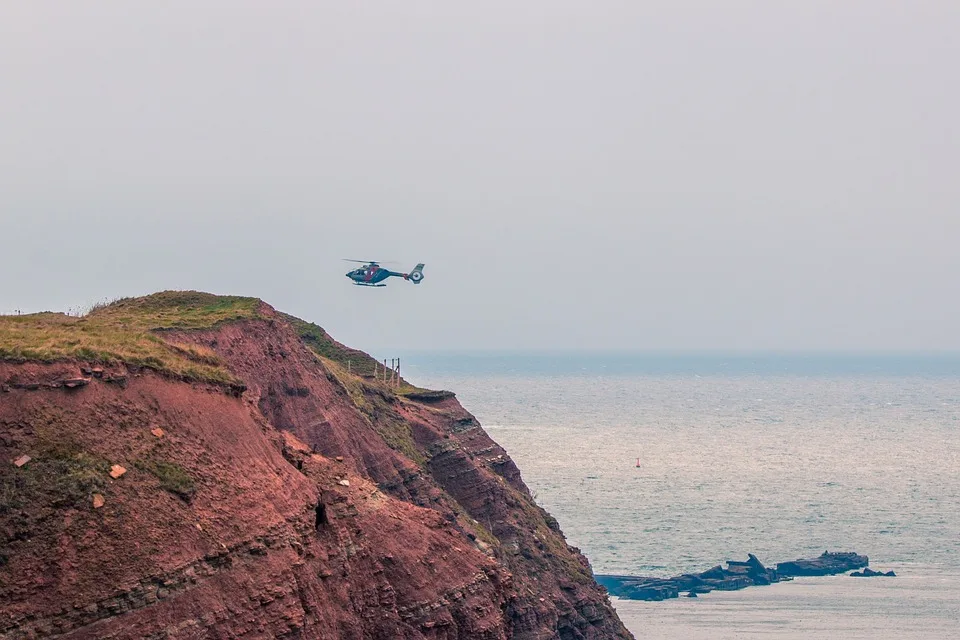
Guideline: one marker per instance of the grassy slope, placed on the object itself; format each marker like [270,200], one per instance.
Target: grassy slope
[353,361]
[323,345]
[355,371]
[125,331]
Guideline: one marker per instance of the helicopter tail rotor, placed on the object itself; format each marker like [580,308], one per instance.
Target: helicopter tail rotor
[416,275]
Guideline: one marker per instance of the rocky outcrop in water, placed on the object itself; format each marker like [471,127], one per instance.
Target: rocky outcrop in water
[870,573]
[737,575]
[828,564]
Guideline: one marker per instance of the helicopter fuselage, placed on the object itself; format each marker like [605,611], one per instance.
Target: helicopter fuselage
[373,275]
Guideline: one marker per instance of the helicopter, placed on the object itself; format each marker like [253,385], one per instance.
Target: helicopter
[371,274]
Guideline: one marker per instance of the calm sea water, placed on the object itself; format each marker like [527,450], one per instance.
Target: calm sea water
[781,456]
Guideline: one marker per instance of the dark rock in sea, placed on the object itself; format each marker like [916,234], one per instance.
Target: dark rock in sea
[761,580]
[870,573]
[828,564]
[712,574]
[756,567]
[737,575]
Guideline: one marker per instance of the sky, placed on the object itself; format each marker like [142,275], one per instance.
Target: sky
[660,175]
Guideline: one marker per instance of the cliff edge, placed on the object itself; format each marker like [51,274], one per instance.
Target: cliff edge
[186,465]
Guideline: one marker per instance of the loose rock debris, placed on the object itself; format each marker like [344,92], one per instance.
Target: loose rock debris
[22,460]
[116,471]
[98,501]
[157,432]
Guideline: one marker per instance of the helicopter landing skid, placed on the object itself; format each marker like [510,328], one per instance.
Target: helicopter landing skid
[364,284]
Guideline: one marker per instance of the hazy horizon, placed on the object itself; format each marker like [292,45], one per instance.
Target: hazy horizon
[658,176]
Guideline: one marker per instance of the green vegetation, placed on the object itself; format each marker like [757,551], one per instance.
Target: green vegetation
[396,433]
[176,310]
[424,395]
[355,371]
[172,477]
[374,402]
[350,361]
[126,331]
[320,342]
[546,532]
[354,385]
[61,474]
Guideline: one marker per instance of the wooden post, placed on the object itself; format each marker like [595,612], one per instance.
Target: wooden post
[398,372]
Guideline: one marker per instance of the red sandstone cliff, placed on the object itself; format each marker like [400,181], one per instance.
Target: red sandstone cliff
[298,500]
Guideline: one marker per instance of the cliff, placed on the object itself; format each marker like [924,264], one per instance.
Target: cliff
[191,466]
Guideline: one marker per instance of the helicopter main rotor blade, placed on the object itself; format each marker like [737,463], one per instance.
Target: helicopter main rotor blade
[370,261]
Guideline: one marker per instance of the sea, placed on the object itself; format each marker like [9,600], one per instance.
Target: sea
[661,464]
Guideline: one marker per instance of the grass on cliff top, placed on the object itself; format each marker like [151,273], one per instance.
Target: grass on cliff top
[127,331]
[182,310]
[320,342]
[350,361]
